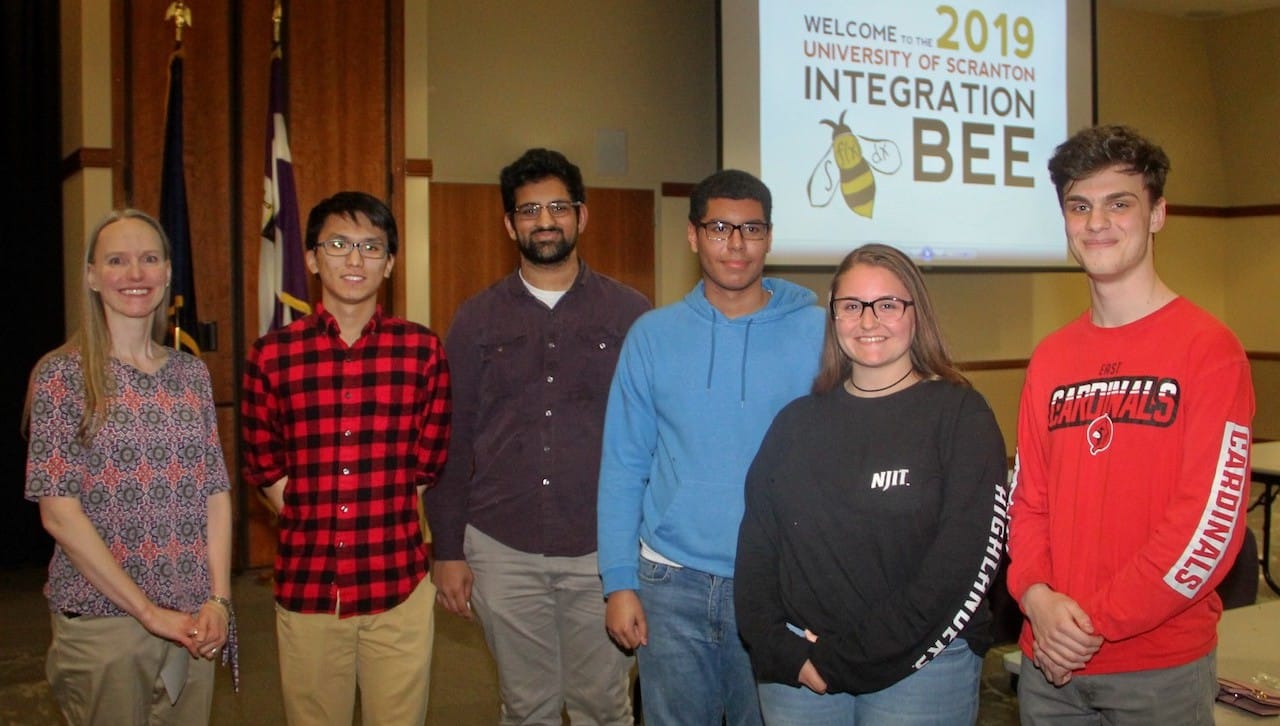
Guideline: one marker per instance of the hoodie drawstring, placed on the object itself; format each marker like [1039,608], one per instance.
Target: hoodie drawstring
[711,363]
[742,377]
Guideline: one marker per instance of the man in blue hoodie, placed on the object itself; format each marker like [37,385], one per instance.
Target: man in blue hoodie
[697,384]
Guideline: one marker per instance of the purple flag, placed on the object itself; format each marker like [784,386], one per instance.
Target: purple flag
[282,276]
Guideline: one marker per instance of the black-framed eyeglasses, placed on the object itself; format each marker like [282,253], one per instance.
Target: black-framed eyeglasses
[718,230]
[533,210]
[370,249]
[886,309]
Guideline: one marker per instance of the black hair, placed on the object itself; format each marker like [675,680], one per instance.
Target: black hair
[729,184]
[348,205]
[535,165]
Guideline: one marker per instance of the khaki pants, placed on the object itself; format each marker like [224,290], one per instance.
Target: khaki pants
[543,619]
[324,658]
[105,670]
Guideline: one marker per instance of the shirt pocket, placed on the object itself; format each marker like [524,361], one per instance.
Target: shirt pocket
[504,362]
[591,362]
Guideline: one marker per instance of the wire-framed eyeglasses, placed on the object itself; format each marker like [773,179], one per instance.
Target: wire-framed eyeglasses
[370,249]
[533,210]
[885,309]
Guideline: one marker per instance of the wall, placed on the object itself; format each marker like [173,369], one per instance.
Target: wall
[564,72]
[1247,66]
[1209,91]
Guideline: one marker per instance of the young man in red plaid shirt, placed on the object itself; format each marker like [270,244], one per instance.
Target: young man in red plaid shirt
[345,421]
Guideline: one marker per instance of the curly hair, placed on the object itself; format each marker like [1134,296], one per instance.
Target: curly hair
[1101,147]
[535,165]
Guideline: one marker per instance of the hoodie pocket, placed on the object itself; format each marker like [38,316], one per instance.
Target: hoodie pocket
[701,522]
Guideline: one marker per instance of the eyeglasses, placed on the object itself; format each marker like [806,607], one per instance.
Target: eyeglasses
[885,309]
[341,247]
[533,210]
[720,231]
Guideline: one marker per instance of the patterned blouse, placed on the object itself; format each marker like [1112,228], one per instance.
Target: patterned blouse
[144,480]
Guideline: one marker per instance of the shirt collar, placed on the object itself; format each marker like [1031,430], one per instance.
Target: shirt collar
[329,324]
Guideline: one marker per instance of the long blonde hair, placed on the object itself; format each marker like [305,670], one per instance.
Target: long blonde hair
[93,339]
[929,357]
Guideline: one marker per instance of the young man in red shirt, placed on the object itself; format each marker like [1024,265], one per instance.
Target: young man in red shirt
[345,421]
[1133,465]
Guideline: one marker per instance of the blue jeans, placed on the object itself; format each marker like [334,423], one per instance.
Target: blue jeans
[694,670]
[943,693]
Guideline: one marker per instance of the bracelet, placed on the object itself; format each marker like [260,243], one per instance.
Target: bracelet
[224,602]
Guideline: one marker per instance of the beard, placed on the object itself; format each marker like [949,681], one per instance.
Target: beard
[548,252]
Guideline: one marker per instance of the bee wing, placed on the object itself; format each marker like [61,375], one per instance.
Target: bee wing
[882,154]
[824,181]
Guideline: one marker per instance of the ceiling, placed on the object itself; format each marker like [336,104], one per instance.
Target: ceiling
[1198,9]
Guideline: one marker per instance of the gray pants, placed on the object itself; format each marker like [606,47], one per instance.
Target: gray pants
[543,619]
[1180,695]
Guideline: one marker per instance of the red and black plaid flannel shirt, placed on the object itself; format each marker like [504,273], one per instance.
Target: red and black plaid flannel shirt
[356,430]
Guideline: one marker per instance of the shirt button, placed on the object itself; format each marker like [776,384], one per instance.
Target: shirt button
[552,344]
[548,412]
[341,545]
[347,396]
[551,379]
[603,346]
[343,509]
[346,470]
[346,434]
[546,482]
[546,449]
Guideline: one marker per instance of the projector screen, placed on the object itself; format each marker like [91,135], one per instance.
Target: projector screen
[922,125]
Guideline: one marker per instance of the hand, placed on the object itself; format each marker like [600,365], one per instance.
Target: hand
[810,679]
[624,619]
[1052,673]
[211,626]
[1062,629]
[274,494]
[453,580]
[179,627]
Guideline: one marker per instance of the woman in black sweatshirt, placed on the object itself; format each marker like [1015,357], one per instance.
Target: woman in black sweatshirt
[875,520]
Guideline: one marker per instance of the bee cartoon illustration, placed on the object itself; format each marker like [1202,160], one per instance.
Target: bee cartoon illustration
[856,182]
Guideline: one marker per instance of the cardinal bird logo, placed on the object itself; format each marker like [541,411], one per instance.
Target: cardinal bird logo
[1100,433]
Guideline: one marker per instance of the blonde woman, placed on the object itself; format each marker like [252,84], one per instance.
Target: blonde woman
[125,463]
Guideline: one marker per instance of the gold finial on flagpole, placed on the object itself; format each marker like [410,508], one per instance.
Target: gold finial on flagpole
[181,16]
[176,311]
[277,17]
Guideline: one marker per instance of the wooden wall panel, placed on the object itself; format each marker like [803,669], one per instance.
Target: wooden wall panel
[346,132]
[341,115]
[470,248]
[207,150]
[256,521]
[337,99]
[620,234]
[254,66]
